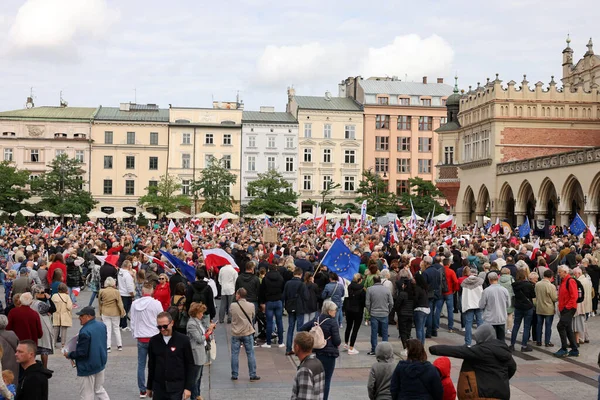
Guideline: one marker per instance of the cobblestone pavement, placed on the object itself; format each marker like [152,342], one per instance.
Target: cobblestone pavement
[539,374]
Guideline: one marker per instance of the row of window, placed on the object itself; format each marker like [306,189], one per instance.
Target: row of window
[404,122]
[349,182]
[405,101]
[402,165]
[289,142]
[130,162]
[349,156]
[382,143]
[109,138]
[35,155]
[271,164]
[476,146]
[349,131]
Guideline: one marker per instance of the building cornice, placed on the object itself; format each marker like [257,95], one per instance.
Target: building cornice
[476,164]
[567,159]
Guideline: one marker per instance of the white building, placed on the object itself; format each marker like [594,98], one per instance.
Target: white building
[269,141]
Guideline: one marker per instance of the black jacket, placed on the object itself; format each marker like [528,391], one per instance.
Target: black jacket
[355,302]
[251,283]
[421,298]
[524,294]
[331,332]
[107,270]
[199,291]
[73,273]
[170,366]
[295,288]
[271,287]
[416,380]
[34,385]
[405,302]
[312,302]
[174,280]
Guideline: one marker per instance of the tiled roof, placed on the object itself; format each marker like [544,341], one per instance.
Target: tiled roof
[257,116]
[50,113]
[321,103]
[405,88]
[115,114]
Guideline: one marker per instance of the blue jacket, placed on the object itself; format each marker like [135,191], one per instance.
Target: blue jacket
[336,294]
[90,353]
[415,380]
[433,278]
[331,332]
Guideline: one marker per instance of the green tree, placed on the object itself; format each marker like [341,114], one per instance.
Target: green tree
[214,186]
[374,189]
[327,202]
[165,195]
[61,187]
[424,196]
[12,184]
[272,195]
[141,220]
[20,220]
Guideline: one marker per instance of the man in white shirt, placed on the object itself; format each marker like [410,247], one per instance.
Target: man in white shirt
[126,290]
[227,277]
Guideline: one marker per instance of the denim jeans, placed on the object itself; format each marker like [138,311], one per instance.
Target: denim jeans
[521,315]
[236,342]
[433,318]
[293,320]
[378,324]
[127,300]
[328,366]
[94,294]
[541,320]
[197,380]
[226,300]
[420,318]
[142,358]
[274,308]
[449,301]
[339,316]
[72,296]
[476,313]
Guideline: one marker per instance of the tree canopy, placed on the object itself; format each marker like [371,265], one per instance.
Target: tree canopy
[214,186]
[165,195]
[374,189]
[272,195]
[424,197]
[61,187]
[12,184]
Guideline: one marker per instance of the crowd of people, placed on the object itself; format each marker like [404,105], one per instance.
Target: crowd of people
[504,286]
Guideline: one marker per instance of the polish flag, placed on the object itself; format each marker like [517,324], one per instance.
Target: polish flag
[153,259]
[454,228]
[215,258]
[495,229]
[448,240]
[308,221]
[172,228]
[322,223]
[397,223]
[272,255]
[338,230]
[56,230]
[347,224]
[589,235]
[195,221]
[447,223]
[358,227]
[219,225]
[394,235]
[187,243]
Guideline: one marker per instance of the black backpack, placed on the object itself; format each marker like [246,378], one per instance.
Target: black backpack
[444,282]
[580,291]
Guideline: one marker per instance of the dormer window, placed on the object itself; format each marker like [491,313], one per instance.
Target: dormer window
[426,102]
[60,135]
[79,136]
[404,101]
[384,101]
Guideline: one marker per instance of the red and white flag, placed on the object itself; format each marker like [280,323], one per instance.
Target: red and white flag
[56,230]
[215,258]
[187,243]
[272,255]
[347,224]
[495,229]
[219,225]
[536,249]
[153,259]
[338,230]
[590,234]
[172,228]
[322,223]
[358,226]
[447,223]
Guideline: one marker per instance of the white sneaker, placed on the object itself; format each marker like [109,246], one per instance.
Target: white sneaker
[462,329]
[353,352]
[108,350]
[280,345]
[346,346]
[508,331]
[265,346]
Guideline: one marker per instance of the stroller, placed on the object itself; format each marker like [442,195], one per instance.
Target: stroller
[261,324]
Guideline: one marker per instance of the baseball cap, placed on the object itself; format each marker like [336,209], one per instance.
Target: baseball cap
[87,311]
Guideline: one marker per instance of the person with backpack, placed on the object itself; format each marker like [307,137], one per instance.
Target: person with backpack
[201,292]
[326,334]
[294,297]
[568,297]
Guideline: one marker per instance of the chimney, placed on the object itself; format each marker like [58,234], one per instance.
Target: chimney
[425,79]
[440,80]
[267,109]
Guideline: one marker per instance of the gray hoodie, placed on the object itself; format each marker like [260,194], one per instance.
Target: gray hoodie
[380,377]
[379,301]
[484,333]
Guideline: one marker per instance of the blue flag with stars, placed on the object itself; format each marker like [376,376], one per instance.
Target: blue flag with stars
[577,226]
[525,229]
[339,259]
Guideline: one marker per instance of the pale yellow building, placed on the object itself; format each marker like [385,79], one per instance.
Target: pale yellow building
[330,146]
[129,147]
[196,135]
[32,137]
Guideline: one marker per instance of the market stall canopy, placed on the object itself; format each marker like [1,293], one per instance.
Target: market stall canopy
[47,214]
[178,215]
[228,215]
[120,215]
[283,216]
[306,215]
[205,215]
[24,213]
[442,217]
[97,214]
[148,215]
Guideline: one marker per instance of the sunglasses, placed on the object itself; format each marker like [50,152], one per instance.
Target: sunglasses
[162,327]
[161,279]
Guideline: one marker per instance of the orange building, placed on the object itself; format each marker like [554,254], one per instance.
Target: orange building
[400,119]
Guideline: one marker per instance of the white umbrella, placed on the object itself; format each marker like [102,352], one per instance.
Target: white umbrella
[258,216]
[24,213]
[120,215]
[72,215]
[228,215]
[283,216]
[205,215]
[2,212]
[333,216]
[148,215]
[178,215]
[441,217]
[97,214]
[355,216]
[47,214]
[306,215]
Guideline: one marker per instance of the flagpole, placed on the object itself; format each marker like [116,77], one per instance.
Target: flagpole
[321,261]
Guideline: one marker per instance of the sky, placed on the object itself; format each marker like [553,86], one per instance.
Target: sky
[189,53]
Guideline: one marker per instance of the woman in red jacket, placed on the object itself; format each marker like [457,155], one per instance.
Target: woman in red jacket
[58,263]
[162,292]
[443,366]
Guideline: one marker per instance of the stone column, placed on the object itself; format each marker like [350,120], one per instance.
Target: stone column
[591,217]
[479,220]
[520,218]
[462,218]
[564,218]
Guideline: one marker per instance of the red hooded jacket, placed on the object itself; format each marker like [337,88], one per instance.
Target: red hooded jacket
[443,366]
[567,297]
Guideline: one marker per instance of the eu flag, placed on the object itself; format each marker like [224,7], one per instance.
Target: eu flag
[525,229]
[339,259]
[187,270]
[577,226]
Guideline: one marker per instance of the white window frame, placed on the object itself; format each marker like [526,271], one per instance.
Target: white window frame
[227,139]
[327,131]
[186,161]
[307,182]
[289,143]
[349,184]
[271,142]
[80,156]
[251,141]
[289,164]
[307,155]
[8,154]
[327,156]
[251,163]
[350,132]
[271,163]
[349,157]
[308,130]
[186,138]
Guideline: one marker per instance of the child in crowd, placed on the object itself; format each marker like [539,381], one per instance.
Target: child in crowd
[443,366]
[9,378]
[8,282]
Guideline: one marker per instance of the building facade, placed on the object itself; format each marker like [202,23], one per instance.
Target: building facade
[198,134]
[269,142]
[330,146]
[129,147]
[400,119]
[524,151]
[31,138]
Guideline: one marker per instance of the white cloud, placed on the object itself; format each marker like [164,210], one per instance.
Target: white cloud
[57,25]
[410,54]
[316,62]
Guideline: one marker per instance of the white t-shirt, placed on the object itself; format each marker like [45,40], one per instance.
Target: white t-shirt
[166,339]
